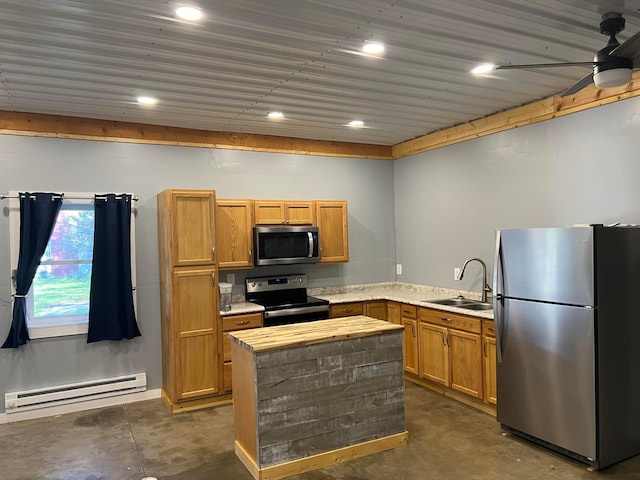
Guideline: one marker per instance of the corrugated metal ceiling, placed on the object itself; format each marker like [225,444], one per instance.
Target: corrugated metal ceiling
[247,57]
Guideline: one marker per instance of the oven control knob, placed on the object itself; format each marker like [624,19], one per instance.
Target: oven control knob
[259,284]
[253,284]
[300,279]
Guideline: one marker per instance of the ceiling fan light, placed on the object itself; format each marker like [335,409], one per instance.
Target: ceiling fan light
[484,68]
[614,77]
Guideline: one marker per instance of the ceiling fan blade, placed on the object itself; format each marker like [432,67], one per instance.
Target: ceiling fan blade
[576,87]
[545,65]
[630,49]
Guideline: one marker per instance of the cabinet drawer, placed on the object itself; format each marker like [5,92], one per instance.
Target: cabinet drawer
[452,320]
[346,309]
[488,328]
[240,322]
[409,311]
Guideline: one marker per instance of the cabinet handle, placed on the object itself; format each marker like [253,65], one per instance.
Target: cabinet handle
[242,322]
[447,319]
[249,254]
[444,338]
[347,310]
[413,331]
[491,329]
[484,348]
[213,277]
[213,253]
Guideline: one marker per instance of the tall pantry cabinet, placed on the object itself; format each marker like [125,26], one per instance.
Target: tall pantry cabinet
[191,372]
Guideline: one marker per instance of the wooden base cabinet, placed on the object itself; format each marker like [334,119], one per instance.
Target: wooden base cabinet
[191,350]
[450,348]
[410,338]
[376,310]
[233,323]
[489,362]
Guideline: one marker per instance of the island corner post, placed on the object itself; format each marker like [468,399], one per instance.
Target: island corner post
[310,395]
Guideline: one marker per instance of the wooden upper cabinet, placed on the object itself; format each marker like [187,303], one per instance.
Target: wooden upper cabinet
[234,233]
[332,221]
[192,227]
[279,212]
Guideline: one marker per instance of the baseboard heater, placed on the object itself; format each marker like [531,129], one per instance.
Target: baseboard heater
[75,392]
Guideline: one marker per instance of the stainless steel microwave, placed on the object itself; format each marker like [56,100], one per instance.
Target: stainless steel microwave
[286,245]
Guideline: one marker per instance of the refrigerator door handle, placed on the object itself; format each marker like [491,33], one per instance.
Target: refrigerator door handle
[498,297]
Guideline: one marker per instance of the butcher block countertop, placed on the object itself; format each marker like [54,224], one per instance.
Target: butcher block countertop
[309,333]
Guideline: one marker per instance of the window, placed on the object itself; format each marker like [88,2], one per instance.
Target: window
[58,301]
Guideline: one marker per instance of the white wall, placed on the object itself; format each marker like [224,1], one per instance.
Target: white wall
[60,165]
[581,168]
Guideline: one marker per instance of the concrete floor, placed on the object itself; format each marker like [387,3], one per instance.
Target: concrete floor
[447,440]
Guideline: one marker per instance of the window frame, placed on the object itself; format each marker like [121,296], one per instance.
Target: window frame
[71,326]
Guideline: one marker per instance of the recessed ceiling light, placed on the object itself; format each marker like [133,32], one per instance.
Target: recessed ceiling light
[189,13]
[373,48]
[275,115]
[356,123]
[147,100]
[484,68]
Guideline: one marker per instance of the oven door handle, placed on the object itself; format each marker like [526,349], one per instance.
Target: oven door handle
[287,312]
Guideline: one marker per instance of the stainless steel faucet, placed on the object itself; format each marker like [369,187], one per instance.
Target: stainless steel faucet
[485,286]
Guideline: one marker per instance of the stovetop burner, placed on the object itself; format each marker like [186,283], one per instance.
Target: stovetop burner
[285,299]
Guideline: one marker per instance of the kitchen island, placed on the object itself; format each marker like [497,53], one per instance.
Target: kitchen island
[314,394]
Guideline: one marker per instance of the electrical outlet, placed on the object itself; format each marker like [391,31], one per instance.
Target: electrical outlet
[399,269]
[231,278]
[456,273]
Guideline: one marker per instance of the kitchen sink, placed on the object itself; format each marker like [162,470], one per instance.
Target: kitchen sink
[477,306]
[462,302]
[454,302]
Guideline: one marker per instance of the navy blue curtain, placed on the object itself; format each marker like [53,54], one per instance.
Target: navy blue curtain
[38,213]
[111,312]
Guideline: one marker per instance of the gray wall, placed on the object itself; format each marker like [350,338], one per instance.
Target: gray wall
[581,168]
[75,166]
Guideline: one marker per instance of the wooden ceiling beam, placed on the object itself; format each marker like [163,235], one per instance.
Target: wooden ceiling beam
[42,125]
[57,126]
[546,109]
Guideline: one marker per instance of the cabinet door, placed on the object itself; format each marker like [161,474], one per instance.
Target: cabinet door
[234,233]
[197,354]
[434,354]
[393,313]
[299,213]
[269,212]
[465,356]
[410,345]
[229,324]
[376,310]
[331,217]
[192,227]
[490,388]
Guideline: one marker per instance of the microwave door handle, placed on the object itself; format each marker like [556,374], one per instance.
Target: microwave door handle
[310,244]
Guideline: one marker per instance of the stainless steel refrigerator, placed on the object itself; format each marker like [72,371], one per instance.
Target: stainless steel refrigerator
[567,318]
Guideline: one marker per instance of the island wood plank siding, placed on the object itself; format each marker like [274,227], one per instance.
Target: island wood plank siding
[326,396]
[311,396]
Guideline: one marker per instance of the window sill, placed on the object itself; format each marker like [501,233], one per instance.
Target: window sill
[58,330]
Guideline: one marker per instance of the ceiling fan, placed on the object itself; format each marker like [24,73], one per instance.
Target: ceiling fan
[612,65]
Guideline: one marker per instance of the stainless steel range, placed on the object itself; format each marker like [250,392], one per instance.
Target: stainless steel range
[285,299]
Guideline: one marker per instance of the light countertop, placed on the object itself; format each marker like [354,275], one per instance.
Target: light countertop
[418,295]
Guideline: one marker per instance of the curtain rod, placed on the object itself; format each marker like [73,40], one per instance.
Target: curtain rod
[101,197]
